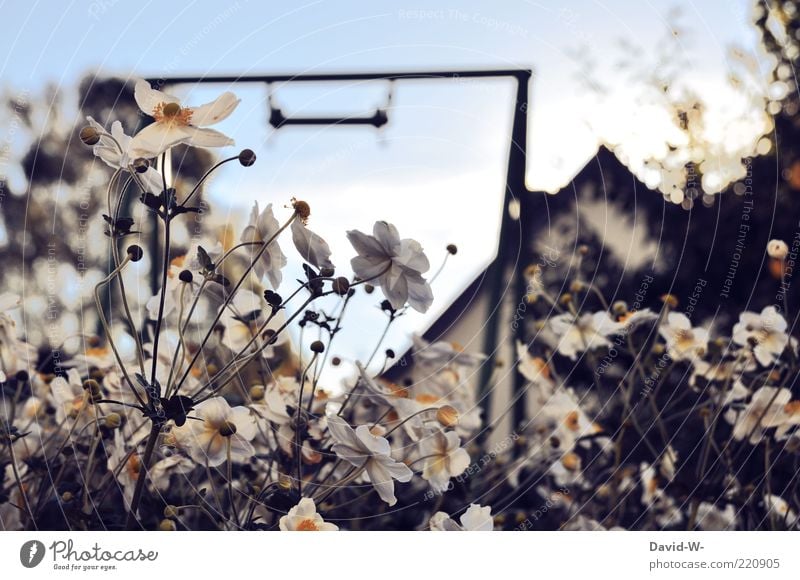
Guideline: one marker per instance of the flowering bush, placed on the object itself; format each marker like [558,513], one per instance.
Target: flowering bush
[637,418]
[643,419]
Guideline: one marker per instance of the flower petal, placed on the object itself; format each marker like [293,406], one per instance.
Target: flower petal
[387,237]
[382,482]
[215,111]
[365,245]
[369,267]
[372,443]
[312,248]
[207,138]
[214,411]
[420,295]
[157,138]
[148,98]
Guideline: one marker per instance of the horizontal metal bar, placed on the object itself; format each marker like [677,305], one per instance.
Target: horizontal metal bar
[520,73]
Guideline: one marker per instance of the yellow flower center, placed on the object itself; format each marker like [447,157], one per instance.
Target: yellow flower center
[307,525]
[684,339]
[571,461]
[572,420]
[792,408]
[76,406]
[133,467]
[172,113]
[96,351]
[427,398]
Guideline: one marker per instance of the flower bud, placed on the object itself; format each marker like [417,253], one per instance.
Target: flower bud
[452,249]
[167,526]
[227,429]
[186,276]
[571,461]
[369,288]
[113,420]
[247,157]
[135,252]
[284,481]
[447,416]
[140,165]
[273,298]
[89,136]
[777,249]
[317,346]
[619,307]
[171,109]
[670,300]
[171,512]
[336,361]
[341,285]
[92,386]
[302,209]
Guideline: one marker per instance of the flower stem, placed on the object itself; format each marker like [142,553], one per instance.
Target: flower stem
[155,431]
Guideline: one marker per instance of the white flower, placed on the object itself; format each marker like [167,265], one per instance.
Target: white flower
[261,228]
[126,475]
[767,330]
[534,369]
[178,290]
[720,371]
[582,523]
[711,518]
[15,354]
[779,509]
[100,357]
[557,413]
[312,248]
[304,518]
[175,124]
[159,474]
[444,459]
[242,318]
[656,499]
[361,448]
[207,440]
[114,149]
[765,410]
[784,418]
[683,341]
[633,319]
[383,394]
[477,518]
[393,264]
[588,332]
[777,249]
[440,354]
[71,400]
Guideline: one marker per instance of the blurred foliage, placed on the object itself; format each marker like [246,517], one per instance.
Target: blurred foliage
[52,197]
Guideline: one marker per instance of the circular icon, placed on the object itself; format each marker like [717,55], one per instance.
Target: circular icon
[31,553]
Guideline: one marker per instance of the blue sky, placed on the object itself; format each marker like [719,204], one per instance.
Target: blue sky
[437,169]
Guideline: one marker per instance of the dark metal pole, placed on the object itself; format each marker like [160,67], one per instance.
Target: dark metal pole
[507,263]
